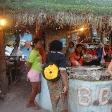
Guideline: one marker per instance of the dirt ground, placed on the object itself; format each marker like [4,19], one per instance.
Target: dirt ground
[15,100]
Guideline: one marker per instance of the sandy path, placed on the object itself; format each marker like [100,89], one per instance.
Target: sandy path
[15,100]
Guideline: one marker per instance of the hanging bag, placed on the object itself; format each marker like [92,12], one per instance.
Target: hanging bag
[51,70]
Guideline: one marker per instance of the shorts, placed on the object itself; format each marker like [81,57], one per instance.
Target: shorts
[33,76]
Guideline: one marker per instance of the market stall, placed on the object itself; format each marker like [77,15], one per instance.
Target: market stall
[88,92]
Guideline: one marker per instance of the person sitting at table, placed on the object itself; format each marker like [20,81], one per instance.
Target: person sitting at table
[76,57]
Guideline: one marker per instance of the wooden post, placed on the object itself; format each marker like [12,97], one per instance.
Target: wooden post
[3,77]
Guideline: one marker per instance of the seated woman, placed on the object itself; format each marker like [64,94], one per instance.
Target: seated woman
[76,57]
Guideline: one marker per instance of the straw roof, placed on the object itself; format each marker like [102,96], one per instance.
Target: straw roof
[94,6]
[62,11]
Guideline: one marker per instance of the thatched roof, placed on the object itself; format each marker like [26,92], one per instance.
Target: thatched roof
[94,6]
[62,11]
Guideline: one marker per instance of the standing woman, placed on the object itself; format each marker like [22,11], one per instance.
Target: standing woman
[34,66]
[59,88]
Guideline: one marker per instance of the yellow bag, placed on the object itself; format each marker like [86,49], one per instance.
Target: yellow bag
[51,72]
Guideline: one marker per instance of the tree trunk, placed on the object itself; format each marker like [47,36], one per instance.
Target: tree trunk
[3,77]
